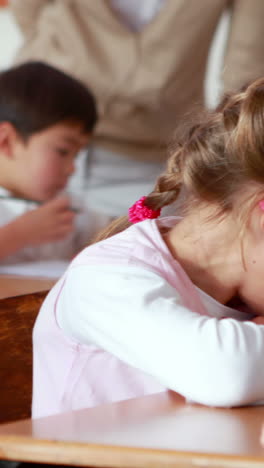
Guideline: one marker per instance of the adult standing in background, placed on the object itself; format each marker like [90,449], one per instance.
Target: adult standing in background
[145,61]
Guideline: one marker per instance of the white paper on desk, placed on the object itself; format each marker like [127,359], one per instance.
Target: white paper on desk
[43,269]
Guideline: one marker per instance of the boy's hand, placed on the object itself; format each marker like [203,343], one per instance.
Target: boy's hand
[52,221]
[259,320]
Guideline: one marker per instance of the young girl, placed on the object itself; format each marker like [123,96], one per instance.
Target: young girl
[150,308]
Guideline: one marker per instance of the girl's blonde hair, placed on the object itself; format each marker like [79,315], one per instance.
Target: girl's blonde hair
[215,159]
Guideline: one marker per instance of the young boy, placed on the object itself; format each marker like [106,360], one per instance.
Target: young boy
[46,117]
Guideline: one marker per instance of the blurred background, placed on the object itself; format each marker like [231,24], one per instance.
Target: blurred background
[11,39]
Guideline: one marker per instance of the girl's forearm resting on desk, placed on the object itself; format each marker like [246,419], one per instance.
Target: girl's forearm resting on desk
[207,360]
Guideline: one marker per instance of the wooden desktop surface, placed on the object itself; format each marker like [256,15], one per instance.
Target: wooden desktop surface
[154,431]
[18,285]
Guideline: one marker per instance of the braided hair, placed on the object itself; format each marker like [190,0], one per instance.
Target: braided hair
[217,157]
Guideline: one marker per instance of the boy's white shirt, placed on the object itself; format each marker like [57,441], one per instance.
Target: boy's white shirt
[148,327]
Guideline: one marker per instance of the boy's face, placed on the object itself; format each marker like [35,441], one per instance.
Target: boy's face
[46,161]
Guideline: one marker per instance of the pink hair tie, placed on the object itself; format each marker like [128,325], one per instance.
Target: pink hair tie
[261,205]
[139,211]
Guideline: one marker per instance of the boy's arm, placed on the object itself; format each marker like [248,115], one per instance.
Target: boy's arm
[26,12]
[11,239]
[52,221]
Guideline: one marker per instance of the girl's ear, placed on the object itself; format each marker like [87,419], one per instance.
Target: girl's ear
[261,216]
[8,138]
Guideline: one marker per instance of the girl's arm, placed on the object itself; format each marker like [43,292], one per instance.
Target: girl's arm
[138,317]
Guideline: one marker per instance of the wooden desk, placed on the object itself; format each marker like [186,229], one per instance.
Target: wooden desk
[155,431]
[18,285]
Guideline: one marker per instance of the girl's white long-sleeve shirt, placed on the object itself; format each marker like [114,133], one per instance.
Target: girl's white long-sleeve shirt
[125,320]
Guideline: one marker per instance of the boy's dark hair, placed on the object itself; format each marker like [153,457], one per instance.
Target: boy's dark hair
[35,96]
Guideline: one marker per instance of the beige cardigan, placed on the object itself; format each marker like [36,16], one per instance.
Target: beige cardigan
[144,82]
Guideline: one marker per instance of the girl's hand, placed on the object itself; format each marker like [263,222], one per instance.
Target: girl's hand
[52,221]
[261,439]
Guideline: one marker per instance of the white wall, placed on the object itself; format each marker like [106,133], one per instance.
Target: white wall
[10,40]
[213,82]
